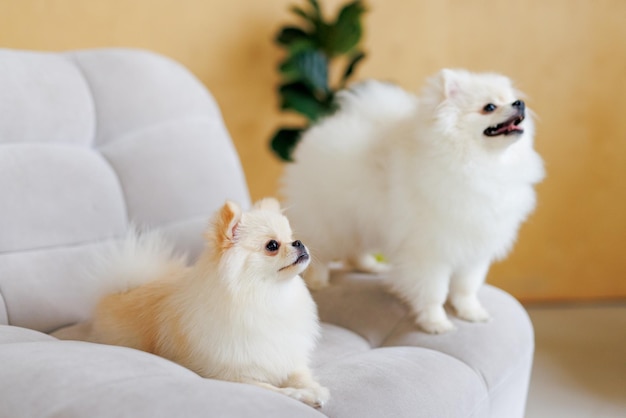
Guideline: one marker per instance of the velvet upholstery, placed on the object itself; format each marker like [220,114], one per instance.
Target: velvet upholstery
[93,141]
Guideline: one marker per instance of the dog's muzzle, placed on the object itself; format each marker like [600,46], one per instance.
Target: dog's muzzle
[303,254]
[511,125]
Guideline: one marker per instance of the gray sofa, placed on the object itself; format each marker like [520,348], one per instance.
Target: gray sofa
[93,140]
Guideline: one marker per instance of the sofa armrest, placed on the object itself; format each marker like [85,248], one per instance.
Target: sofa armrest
[492,360]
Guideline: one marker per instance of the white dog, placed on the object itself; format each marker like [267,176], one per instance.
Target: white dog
[438,183]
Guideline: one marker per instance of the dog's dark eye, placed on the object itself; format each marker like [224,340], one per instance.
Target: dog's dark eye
[489,107]
[272,246]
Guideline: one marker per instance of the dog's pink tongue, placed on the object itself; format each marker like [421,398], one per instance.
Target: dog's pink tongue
[513,127]
[508,129]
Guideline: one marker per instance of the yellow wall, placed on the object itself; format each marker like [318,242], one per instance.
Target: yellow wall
[569,56]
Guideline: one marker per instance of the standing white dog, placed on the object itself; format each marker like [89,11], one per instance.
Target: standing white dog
[439,183]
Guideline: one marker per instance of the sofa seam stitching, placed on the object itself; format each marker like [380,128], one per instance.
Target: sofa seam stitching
[100,240]
[94,134]
[200,118]
[393,330]
[72,57]
[6,306]
[501,381]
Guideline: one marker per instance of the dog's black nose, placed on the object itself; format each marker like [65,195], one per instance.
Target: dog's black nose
[519,104]
[296,244]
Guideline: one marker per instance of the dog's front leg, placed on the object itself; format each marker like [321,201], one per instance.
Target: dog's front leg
[300,385]
[424,285]
[302,379]
[464,286]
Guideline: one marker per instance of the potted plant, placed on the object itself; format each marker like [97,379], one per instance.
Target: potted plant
[314,48]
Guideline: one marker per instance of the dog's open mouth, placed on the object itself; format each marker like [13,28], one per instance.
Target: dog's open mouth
[302,258]
[508,127]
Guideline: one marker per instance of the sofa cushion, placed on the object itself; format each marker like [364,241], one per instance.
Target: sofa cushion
[50,378]
[388,369]
[384,351]
[90,142]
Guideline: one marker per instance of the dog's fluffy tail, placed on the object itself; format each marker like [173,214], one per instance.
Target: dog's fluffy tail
[378,100]
[139,258]
[367,113]
[120,266]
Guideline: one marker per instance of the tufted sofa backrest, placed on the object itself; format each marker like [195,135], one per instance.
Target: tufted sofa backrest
[91,141]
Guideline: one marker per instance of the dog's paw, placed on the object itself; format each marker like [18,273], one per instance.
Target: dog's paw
[434,321]
[470,309]
[474,314]
[321,395]
[436,327]
[314,396]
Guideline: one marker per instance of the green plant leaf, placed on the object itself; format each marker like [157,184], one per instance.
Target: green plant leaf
[350,68]
[303,44]
[346,32]
[291,34]
[351,13]
[313,66]
[316,8]
[311,46]
[290,67]
[322,33]
[298,87]
[320,26]
[309,66]
[312,17]
[300,12]
[299,97]
[284,142]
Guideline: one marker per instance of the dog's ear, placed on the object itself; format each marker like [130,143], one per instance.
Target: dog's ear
[224,226]
[450,83]
[268,203]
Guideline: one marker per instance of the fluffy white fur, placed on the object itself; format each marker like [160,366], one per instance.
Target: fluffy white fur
[417,178]
[242,313]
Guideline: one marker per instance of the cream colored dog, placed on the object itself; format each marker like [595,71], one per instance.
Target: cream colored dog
[241,313]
